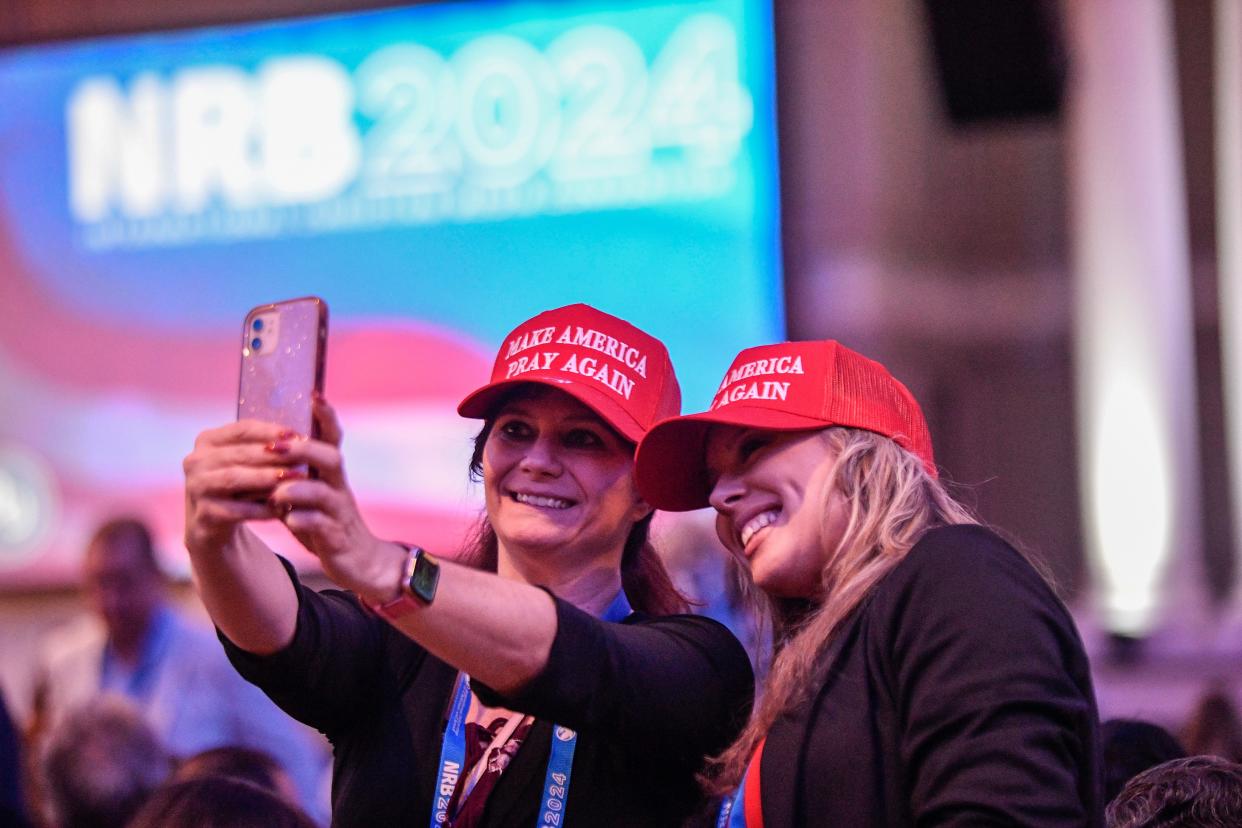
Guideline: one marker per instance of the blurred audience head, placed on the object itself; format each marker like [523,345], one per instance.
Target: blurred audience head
[122,581]
[1131,746]
[247,764]
[1214,728]
[12,797]
[1193,792]
[218,802]
[101,763]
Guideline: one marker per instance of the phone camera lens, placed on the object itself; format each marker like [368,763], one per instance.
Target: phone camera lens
[257,325]
[256,344]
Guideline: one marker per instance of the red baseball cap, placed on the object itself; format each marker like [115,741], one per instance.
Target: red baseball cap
[621,373]
[793,386]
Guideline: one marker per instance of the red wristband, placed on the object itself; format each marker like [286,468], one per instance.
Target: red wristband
[419,579]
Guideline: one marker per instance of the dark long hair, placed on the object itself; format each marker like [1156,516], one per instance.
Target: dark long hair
[643,576]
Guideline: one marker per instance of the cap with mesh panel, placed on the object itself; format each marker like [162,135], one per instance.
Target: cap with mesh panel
[791,386]
[620,372]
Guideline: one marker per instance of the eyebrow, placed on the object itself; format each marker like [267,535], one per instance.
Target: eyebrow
[517,409]
[729,450]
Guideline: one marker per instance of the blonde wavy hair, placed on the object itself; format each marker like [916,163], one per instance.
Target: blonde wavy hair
[892,501]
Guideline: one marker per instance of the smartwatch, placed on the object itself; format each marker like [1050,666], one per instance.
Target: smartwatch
[418,585]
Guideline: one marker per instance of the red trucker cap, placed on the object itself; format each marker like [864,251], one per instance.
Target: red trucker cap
[621,373]
[792,386]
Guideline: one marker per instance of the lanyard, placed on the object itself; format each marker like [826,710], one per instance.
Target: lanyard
[560,761]
[731,816]
[744,808]
[452,752]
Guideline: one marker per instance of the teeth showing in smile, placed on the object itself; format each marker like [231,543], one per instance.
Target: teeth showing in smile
[541,501]
[756,523]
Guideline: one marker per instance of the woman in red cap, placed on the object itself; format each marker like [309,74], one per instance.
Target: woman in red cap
[545,678]
[925,673]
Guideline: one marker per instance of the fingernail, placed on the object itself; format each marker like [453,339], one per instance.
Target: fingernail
[282,474]
[286,435]
[277,448]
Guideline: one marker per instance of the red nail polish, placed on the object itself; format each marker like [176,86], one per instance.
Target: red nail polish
[277,448]
[286,435]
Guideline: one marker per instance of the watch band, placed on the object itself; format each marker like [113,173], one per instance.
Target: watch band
[420,578]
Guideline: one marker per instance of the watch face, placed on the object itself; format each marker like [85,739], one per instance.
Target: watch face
[425,578]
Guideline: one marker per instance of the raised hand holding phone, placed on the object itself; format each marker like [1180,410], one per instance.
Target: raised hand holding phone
[252,470]
[282,371]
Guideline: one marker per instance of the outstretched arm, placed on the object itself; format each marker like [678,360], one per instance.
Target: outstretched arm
[228,478]
[497,630]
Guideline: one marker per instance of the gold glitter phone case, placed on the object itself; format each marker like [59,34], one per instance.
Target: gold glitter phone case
[283,347]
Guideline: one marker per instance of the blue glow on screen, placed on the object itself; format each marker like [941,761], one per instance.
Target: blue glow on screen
[461,166]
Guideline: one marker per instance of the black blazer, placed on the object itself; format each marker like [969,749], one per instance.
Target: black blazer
[958,694]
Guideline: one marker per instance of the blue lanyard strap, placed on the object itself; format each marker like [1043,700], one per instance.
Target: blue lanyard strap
[556,781]
[732,811]
[452,752]
[560,761]
[619,609]
[564,742]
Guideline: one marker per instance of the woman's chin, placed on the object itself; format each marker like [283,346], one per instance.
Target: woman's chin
[536,541]
[530,543]
[765,580]
[778,584]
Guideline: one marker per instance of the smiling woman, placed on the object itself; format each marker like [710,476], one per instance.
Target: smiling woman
[793,499]
[558,484]
[925,672]
[548,654]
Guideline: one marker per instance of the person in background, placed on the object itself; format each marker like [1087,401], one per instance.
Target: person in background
[100,764]
[218,802]
[247,764]
[1214,728]
[1129,747]
[556,639]
[715,585]
[925,673]
[12,801]
[1192,792]
[133,644]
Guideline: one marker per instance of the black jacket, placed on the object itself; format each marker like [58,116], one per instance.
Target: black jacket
[649,698]
[958,694]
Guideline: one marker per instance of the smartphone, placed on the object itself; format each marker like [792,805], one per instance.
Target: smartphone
[283,347]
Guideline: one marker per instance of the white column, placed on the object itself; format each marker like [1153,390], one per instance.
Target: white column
[1134,345]
[1228,91]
